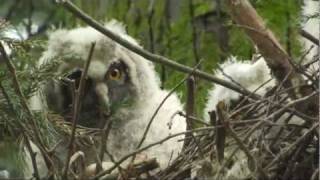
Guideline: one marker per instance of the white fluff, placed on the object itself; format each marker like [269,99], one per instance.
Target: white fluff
[132,121]
[251,76]
[248,75]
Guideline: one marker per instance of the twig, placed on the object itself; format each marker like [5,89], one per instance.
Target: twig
[104,138]
[24,103]
[150,56]
[133,153]
[309,36]
[137,169]
[189,108]
[294,158]
[292,103]
[162,102]
[277,59]
[78,155]
[194,119]
[219,120]
[190,111]
[77,107]
[315,175]
[145,133]
[33,158]
[298,141]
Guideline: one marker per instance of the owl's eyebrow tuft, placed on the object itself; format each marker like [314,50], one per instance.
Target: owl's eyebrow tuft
[119,64]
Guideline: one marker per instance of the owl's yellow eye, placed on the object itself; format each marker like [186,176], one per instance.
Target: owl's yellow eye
[115,74]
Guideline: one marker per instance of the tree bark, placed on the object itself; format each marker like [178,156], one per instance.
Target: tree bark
[274,54]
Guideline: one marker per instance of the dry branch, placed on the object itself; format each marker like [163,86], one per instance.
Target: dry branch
[24,104]
[108,171]
[277,59]
[275,56]
[309,36]
[189,108]
[150,56]
[77,108]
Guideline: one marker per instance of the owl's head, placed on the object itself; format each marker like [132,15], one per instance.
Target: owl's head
[117,78]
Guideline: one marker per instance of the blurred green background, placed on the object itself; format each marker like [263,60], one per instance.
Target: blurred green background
[186,31]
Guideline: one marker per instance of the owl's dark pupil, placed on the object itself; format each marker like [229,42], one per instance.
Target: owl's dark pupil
[114,73]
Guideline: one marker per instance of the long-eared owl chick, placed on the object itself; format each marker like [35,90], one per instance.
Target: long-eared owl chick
[121,87]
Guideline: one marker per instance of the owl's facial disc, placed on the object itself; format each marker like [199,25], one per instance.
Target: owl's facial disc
[100,97]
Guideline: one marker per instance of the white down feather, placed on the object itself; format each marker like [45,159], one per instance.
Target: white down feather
[251,76]
[133,120]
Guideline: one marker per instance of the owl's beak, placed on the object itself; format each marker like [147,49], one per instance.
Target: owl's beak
[102,93]
[105,110]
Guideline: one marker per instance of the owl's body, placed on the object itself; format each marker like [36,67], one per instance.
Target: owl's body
[251,76]
[256,77]
[247,74]
[121,85]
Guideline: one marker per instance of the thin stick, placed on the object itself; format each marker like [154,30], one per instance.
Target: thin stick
[77,107]
[104,138]
[309,36]
[298,141]
[189,108]
[108,171]
[162,102]
[150,56]
[24,104]
[33,158]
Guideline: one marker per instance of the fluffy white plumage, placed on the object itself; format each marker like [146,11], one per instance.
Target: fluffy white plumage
[251,76]
[131,120]
[245,73]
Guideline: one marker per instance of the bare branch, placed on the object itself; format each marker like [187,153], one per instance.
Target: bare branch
[189,108]
[310,37]
[108,171]
[24,104]
[33,158]
[77,108]
[150,56]
[275,56]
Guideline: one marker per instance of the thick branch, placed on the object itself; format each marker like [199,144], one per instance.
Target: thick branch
[150,56]
[277,59]
[275,56]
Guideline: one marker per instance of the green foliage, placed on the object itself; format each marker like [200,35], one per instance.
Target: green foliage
[173,38]
[7,160]
[283,17]
[169,33]
[13,115]
[157,28]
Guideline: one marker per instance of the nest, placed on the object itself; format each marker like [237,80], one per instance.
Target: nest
[264,138]
[267,138]
[270,137]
